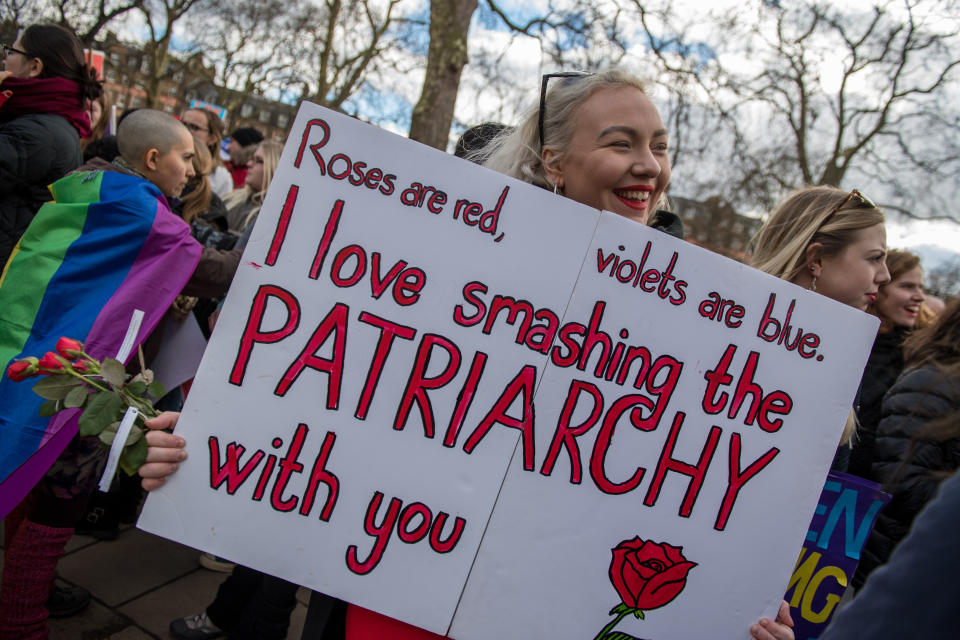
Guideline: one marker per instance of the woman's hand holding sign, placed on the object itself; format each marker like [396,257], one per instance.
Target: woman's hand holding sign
[780,629]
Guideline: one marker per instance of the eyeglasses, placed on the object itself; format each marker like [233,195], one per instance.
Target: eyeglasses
[862,199]
[7,50]
[194,127]
[543,95]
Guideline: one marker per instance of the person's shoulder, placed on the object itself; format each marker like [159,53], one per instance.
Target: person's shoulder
[924,391]
[45,135]
[95,164]
[47,125]
[928,377]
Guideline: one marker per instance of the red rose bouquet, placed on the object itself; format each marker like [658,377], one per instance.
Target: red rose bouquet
[71,379]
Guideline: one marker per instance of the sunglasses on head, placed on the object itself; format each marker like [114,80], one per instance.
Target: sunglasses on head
[543,95]
[853,195]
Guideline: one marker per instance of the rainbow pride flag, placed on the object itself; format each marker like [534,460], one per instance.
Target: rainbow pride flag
[106,246]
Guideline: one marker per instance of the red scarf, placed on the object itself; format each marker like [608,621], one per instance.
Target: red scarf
[59,96]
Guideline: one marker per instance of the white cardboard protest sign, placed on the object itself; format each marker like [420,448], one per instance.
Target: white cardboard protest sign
[180,352]
[401,360]
[732,493]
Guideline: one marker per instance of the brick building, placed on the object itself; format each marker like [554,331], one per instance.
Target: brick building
[713,224]
[125,73]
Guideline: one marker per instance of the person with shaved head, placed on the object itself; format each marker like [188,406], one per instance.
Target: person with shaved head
[157,147]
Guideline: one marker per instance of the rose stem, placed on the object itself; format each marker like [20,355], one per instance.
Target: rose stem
[610,626]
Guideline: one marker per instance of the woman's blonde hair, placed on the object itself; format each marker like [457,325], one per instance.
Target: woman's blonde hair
[824,215]
[197,202]
[271,158]
[516,152]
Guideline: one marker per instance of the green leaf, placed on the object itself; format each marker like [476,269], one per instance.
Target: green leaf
[113,372]
[49,408]
[156,389]
[133,456]
[137,387]
[620,608]
[109,433]
[76,397]
[619,635]
[56,386]
[102,409]
[638,613]
[135,434]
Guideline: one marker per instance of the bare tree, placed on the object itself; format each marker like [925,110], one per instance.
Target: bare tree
[161,16]
[807,93]
[15,14]
[449,22]
[944,279]
[341,46]
[572,33]
[904,59]
[578,33]
[86,18]
[241,41]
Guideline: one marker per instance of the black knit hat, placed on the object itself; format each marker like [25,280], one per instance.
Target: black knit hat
[246,136]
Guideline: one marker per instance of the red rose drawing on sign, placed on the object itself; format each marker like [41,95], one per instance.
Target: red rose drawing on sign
[647,575]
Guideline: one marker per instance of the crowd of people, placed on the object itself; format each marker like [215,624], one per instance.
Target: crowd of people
[595,138]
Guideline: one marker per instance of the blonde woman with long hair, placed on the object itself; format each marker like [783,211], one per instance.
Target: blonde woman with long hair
[243,205]
[833,242]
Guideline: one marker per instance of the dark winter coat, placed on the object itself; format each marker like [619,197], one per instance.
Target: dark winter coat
[35,151]
[908,468]
[668,222]
[883,368]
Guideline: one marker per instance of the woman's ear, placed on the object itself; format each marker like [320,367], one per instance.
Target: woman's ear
[151,159]
[34,68]
[814,262]
[550,159]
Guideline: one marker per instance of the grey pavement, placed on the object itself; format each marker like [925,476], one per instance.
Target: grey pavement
[139,582]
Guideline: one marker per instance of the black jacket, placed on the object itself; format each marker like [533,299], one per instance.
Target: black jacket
[668,222]
[883,367]
[905,467]
[35,151]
